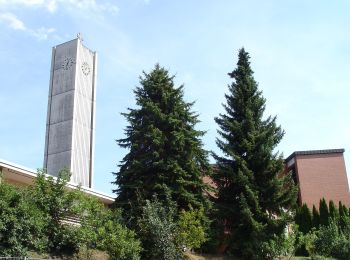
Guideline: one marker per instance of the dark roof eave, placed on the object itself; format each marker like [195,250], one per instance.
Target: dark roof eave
[312,152]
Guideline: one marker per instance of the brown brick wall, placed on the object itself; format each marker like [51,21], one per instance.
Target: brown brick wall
[322,175]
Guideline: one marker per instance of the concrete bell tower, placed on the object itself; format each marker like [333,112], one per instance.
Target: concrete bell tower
[71,112]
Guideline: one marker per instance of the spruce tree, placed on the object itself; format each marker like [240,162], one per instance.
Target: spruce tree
[165,150]
[253,194]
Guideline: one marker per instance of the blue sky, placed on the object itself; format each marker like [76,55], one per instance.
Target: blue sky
[300,52]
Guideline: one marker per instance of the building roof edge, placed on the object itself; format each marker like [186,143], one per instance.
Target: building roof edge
[32,174]
[312,152]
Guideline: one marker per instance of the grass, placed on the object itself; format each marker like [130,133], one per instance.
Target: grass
[192,256]
[83,254]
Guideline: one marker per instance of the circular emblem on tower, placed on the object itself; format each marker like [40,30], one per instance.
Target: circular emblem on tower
[67,63]
[85,68]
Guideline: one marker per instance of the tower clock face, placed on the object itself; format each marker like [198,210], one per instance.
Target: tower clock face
[85,68]
[67,63]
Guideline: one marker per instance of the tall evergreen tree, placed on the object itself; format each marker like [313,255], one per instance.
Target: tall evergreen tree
[253,194]
[165,150]
[324,213]
[315,217]
[345,209]
[344,219]
[341,216]
[333,212]
[304,219]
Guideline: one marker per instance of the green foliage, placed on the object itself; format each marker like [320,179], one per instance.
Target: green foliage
[157,230]
[165,150]
[303,219]
[191,231]
[344,219]
[309,242]
[332,237]
[333,212]
[331,242]
[118,241]
[324,213]
[37,219]
[252,192]
[102,228]
[284,245]
[20,222]
[315,217]
[57,205]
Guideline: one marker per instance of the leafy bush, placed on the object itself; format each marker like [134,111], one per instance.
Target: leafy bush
[118,241]
[102,229]
[330,234]
[38,219]
[20,222]
[282,245]
[331,242]
[191,231]
[157,230]
[57,204]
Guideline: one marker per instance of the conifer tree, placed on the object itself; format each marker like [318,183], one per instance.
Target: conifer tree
[345,209]
[344,219]
[333,212]
[342,216]
[165,150]
[315,217]
[324,213]
[253,194]
[304,219]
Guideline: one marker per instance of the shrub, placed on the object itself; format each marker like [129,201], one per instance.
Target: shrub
[157,230]
[36,219]
[191,231]
[331,242]
[20,222]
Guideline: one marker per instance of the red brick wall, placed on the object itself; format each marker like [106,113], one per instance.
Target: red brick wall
[322,175]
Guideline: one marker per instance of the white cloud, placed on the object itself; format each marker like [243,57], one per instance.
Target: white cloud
[53,5]
[42,33]
[12,21]
[50,5]
[78,9]
[90,6]
[15,23]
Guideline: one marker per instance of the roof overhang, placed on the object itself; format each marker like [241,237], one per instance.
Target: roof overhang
[23,176]
[313,152]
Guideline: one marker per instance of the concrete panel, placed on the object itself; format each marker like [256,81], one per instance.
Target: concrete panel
[80,140]
[63,81]
[57,162]
[64,67]
[85,72]
[64,51]
[60,137]
[82,112]
[62,107]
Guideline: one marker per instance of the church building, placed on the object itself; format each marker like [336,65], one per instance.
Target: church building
[69,141]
